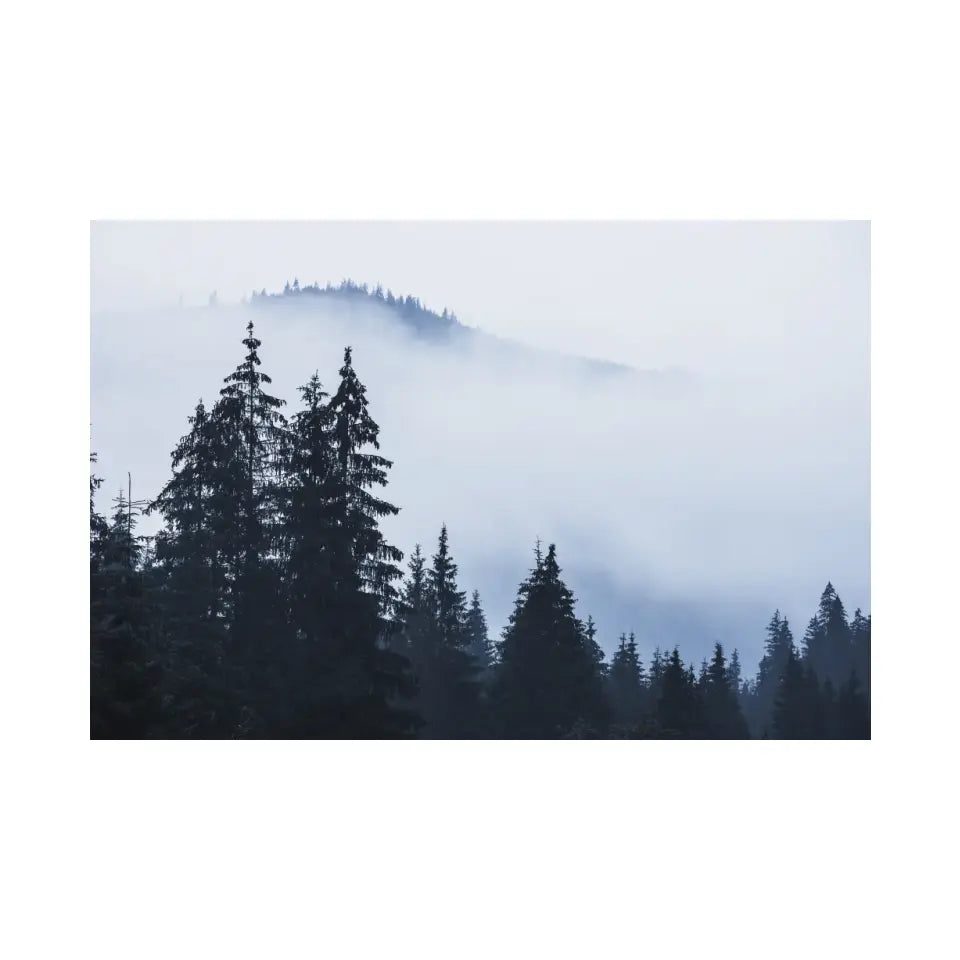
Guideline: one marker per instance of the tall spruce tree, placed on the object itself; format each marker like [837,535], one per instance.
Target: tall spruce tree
[358,472]
[625,683]
[126,670]
[759,705]
[548,681]
[722,719]
[735,672]
[340,572]
[194,576]
[248,437]
[479,645]
[448,676]
[860,649]
[676,705]
[791,714]
[590,629]
[826,644]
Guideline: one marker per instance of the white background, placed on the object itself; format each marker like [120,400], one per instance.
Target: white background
[738,110]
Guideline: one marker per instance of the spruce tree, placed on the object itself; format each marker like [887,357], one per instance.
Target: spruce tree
[826,646]
[723,719]
[479,645]
[860,649]
[416,607]
[625,683]
[340,572]
[658,664]
[126,670]
[734,672]
[358,472]
[449,600]
[245,440]
[590,629]
[193,574]
[548,681]
[777,650]
[791,715]
[676,705]
[447,673]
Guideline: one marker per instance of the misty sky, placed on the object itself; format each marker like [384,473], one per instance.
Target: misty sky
[756,491]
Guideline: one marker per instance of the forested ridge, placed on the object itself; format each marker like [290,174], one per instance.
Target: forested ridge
[270,605]
[422,323]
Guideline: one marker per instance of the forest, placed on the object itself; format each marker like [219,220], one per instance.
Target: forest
[270,605]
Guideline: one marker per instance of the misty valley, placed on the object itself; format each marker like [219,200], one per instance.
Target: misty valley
[268,597]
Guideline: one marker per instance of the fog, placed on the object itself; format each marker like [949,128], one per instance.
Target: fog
[685,507]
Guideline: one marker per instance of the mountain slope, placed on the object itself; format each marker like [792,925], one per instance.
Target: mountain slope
[359,301]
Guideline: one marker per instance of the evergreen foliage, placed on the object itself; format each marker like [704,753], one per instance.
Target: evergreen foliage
[548,681]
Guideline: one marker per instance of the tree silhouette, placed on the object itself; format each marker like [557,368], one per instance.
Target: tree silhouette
[547,679]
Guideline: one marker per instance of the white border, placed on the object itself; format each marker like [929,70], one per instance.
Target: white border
[432,110]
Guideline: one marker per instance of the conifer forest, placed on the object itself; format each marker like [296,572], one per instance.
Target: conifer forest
[270,605]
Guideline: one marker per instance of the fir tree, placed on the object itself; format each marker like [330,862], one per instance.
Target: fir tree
[734,672]
[658,664]
[791,719]
[193,574]
[776,652]
[449,600]
[860,649]
[126,671]
[447,674]
[548,681]
[826,644]
[625,683]
[676,705]
[590,630]
[340,571]
[723,719]
[479,645]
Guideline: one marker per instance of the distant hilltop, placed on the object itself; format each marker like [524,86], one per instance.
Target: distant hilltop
[409,310]
[428,325]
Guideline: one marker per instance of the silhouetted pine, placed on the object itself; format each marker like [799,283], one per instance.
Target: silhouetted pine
[734,673]
[860,649]
[548,681]
[319,573]
[777,648]
[98,524]
[590,630]
[826,643]
[722,717]
[479,645]
[791,714]
[340,572]
[416,607]
[658,664]
[194,577]
[625,683]
[248,437]
[676,709]
[126,672]
[448,677]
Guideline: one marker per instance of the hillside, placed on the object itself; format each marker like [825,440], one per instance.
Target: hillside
[425,324]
